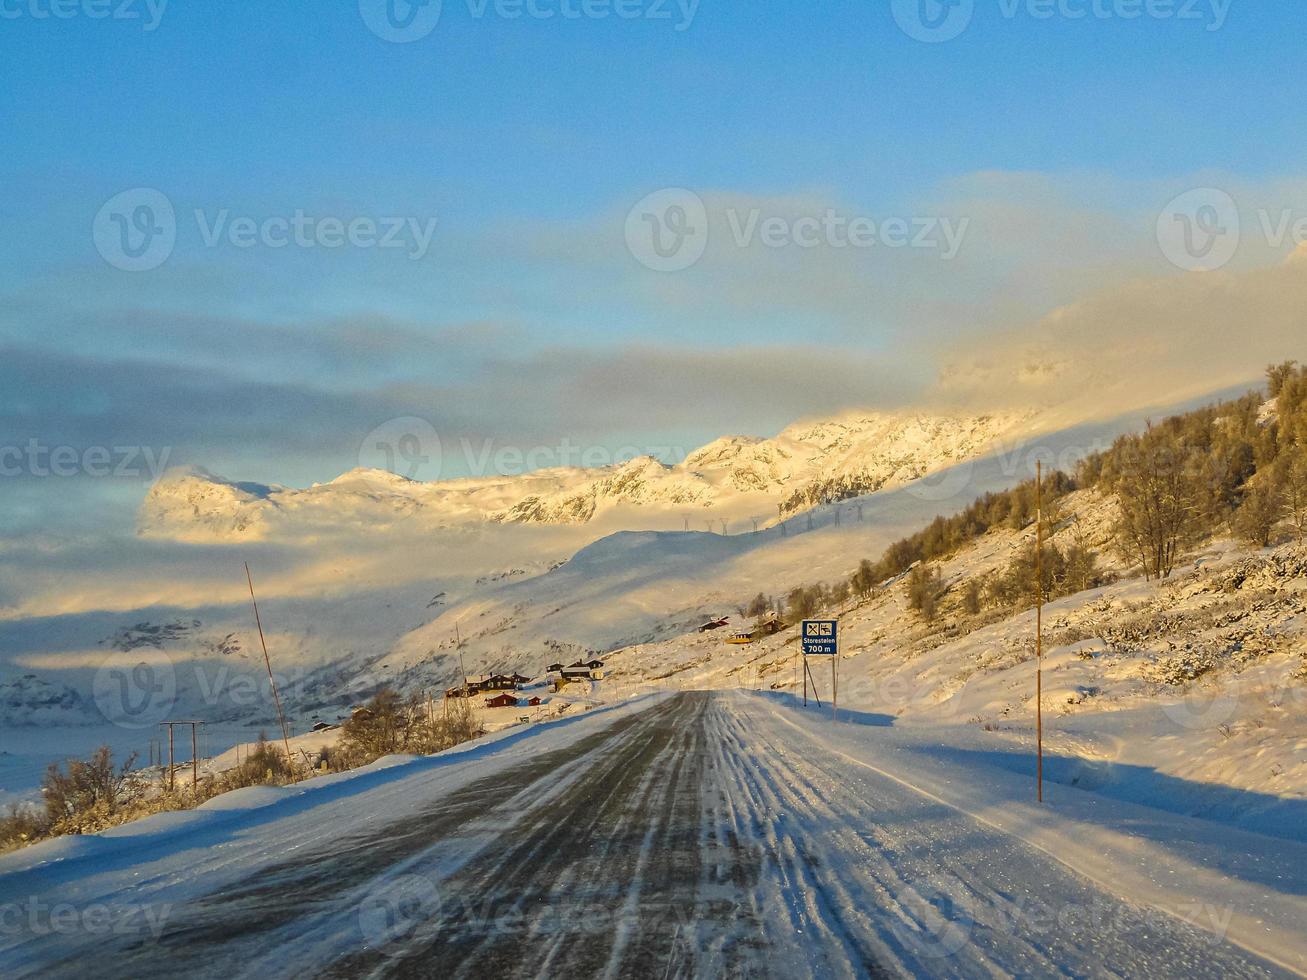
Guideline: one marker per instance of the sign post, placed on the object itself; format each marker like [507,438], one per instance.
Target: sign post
[820,638]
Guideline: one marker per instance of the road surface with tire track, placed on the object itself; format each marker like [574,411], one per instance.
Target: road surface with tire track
[700,837]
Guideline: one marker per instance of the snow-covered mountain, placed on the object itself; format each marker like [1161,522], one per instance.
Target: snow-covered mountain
[374,580]
[734,477]
[31,700]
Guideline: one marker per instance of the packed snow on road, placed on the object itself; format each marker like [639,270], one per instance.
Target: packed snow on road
[694,834]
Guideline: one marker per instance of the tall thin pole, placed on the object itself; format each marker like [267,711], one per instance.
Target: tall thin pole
[195,764]
[834,690]
[458,645]
[1039,620]
[281,717]
[172,772]
[808,671]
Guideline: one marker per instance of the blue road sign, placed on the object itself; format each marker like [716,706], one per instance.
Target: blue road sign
[820,637]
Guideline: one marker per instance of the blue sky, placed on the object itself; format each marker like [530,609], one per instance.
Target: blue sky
[529,140]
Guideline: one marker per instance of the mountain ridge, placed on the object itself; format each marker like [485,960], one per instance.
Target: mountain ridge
[806,464]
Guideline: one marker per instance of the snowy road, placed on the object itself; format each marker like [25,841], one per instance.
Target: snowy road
[703,836]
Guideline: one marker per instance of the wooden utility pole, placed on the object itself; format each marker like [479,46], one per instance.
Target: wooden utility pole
[1039,623]
[281,717]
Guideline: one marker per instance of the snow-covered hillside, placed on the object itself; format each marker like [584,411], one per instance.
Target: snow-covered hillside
[374,580]
[1189,691]
[628,589]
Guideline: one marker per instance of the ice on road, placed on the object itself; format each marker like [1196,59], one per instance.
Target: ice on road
[700,836]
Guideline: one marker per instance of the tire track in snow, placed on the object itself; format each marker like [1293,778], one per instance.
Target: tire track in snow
[968,900]
[705,836]
[621,846]
[253,919]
